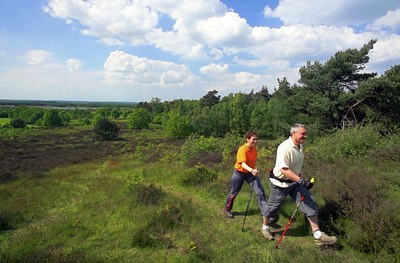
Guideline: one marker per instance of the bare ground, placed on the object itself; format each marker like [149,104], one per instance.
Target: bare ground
[34,155]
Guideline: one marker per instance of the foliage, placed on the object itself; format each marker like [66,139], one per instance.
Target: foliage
[198,176]
[139,119]
[177,125]
[210,99]
[346,143]
[3,114]
[106,129]
[148,194]
[52,119]
[327,86]
[196,147]
[379,98]
[229,146]
[358,205]
[18,123]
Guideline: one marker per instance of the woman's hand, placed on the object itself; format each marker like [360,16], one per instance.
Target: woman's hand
[254,172]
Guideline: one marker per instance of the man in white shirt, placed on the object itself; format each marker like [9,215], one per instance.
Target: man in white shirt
[286,180]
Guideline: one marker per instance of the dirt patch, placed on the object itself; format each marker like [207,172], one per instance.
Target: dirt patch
[39,153]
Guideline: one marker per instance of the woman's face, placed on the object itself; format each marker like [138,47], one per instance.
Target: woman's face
[251,142]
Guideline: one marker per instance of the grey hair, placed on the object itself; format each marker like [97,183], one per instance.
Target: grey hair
[296,127]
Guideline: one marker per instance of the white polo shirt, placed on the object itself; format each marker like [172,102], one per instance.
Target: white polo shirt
[289,156]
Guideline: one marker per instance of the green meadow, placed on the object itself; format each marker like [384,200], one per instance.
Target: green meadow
[150,198]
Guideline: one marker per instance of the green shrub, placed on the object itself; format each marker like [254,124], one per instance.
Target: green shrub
[196,147]
[106,129]
[139,119]
[5,221]
[148,194]
[344,143]
[229,146]
[371,232]
[18,123]
[149,237]
[52,119]
[199,175]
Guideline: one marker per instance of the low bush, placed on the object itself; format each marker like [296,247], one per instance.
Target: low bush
[106,129]
[196,147]
[198,175]
[5,221]
[147,194]
[18,123]
[345,143]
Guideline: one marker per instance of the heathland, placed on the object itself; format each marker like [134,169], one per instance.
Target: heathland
[147,181]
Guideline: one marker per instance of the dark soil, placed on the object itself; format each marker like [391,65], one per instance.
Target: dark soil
[34,155]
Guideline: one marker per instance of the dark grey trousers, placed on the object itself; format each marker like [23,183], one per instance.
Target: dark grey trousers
[238,179]
[278,195]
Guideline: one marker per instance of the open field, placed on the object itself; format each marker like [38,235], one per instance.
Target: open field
[67,197]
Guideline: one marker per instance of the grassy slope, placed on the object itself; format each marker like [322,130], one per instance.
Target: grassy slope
[92,212]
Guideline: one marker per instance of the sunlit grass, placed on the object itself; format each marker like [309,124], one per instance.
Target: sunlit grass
[137,206]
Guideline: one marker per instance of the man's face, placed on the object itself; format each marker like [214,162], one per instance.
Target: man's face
[300,136]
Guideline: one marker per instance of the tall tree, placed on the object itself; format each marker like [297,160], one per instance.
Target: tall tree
[379,98]
[210,99]
[330,83]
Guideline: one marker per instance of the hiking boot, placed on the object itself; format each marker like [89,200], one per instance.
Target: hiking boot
[228,214]
[267,234]
[325,239]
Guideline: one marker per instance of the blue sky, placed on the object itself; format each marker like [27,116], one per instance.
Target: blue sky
[136,50]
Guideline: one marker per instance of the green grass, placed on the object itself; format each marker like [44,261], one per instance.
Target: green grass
[127,208]
[89,213]
[4,121]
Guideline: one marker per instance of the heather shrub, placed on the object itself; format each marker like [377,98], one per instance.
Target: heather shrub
[147,194]
[198,175]
[345,143]
[358,207]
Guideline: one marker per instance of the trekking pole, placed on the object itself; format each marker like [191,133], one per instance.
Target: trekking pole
[291,218]
[290,222]
[248,204]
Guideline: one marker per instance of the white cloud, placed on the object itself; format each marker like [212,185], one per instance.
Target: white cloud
[339,13]
[198,9]
[385,54]
[229,29]
[36,57]
[74,64]
[123,67]
[390,22]
[127,21]
[244,78]
[214,69]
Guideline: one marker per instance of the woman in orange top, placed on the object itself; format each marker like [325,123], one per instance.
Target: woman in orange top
[245,170]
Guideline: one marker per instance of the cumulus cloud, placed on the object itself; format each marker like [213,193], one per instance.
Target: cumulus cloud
[389,22]
[123,67]
[198,9]
[214,69]
[246,78]
[228,29]
[127,21]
